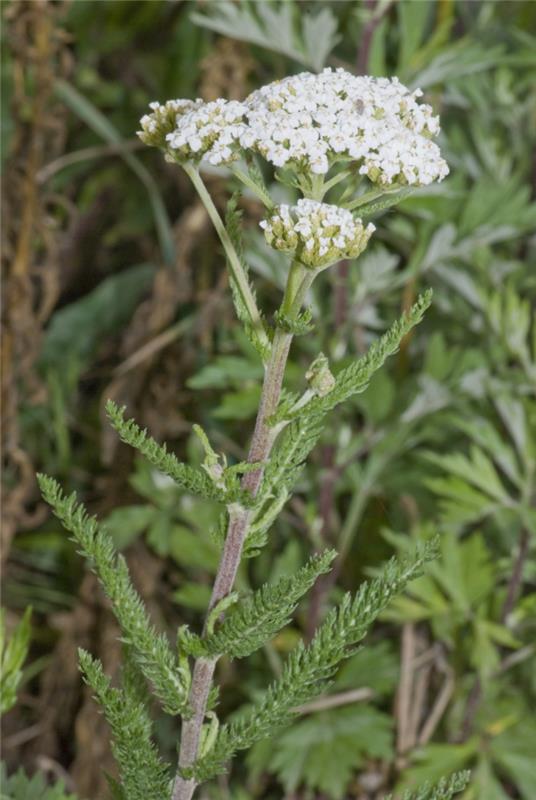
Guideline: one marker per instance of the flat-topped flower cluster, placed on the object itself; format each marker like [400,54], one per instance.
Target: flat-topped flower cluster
[318,234]
[309,122]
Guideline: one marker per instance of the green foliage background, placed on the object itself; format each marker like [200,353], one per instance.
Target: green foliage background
[116,287]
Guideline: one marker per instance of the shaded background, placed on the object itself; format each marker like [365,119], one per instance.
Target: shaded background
[115,287]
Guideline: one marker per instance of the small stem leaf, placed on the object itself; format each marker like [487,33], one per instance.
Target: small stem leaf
[219,609]
[191,479]
[258,618]
[243,295]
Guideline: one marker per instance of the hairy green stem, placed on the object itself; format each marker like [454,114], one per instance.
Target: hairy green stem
[299,281]
[235,266]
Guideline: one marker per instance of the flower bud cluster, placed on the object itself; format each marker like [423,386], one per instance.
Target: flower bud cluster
[318,234]
[308,122]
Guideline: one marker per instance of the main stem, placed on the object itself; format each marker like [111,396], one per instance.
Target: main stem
[239,519]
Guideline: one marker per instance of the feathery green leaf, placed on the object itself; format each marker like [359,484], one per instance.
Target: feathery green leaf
[257,534]
[151,650]
[356,377]
[289,454]
[258,618]
[445,789]
[193,480]
[298,438]
[254,180]
[143,774]
[286,462]
[310,668]
[12,656]
[368,210]
[298,326]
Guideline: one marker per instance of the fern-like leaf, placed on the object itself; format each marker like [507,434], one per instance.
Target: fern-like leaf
[255,621]
[286,462]
[191,479]
[310,668]
[445,789]
[143,775]
[257,534]
[150,649]
[12,656]
[356,377]
[306,424]
[289,454]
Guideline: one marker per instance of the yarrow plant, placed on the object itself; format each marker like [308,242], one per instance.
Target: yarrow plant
[365,142]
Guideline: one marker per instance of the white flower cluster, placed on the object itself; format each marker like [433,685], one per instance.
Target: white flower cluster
[308,122]
[162,120]
[318,234]
[312,120]
[210,131]
[194,129]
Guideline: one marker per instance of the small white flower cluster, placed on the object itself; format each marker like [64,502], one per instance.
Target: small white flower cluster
[318,234]
[195,130]
[163,120]
[308,122]
[210,131]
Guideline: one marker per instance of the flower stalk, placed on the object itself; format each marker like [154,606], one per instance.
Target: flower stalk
[262,441]
[235,266]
